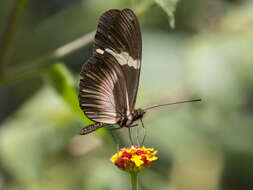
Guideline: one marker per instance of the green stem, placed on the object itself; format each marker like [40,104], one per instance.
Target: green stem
[9,32]
[134,180]
[29,69]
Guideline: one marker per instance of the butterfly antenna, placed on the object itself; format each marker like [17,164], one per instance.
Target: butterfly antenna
[171,103]
[137,135]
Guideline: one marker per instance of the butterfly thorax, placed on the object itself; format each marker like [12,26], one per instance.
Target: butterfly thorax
[128,120]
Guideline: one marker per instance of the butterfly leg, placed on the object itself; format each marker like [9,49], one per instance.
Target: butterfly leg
[115,139]
[137,135]
[142,124]
[133,125]
[130,136]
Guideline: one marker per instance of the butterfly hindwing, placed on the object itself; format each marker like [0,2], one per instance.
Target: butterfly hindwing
[102,93]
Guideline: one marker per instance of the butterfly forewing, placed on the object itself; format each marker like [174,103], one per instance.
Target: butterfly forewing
[119,34]
[110,78]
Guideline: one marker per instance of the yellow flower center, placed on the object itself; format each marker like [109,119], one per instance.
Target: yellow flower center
[137,160]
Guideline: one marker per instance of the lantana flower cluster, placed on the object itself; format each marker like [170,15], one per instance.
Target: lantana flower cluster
[134,158]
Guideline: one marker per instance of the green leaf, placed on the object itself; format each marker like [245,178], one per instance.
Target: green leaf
[169,6]
[64,83]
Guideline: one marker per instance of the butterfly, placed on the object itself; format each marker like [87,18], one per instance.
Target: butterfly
[110,78]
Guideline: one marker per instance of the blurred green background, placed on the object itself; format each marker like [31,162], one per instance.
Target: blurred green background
[197,48]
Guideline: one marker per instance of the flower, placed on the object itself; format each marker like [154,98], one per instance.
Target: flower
[134,158]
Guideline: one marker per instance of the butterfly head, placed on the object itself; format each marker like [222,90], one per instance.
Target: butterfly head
[127,120]
[138,114]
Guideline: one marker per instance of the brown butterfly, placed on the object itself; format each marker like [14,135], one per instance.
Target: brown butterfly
[110,78]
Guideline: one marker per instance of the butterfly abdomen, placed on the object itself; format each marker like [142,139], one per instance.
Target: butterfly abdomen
[90,128]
